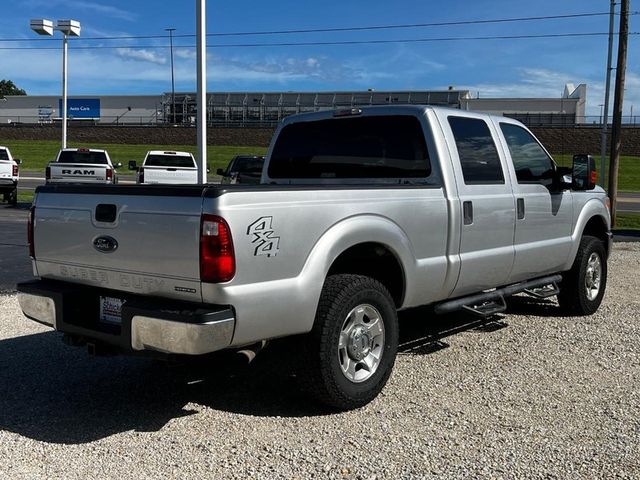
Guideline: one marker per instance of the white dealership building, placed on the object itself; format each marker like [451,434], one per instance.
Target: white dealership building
[268,108]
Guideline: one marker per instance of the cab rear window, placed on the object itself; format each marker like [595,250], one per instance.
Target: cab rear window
[4,155]
[247,165]
[176,161]
[83,157]
[364,147]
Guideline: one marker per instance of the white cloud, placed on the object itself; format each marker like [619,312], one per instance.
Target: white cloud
[94,7]
[141,54]
[531,83]
[539,83]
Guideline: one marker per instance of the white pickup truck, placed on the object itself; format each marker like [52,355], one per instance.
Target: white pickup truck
[161,167]
[9,176]
[82,165]
[360,213]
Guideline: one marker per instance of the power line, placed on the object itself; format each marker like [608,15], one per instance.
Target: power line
[336,29]
[332,43]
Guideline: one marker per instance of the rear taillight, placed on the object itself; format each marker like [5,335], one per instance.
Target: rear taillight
[47,173]
[594,177]
[31,220]
[109,174]
[217,260]
[141,175]
[15,170]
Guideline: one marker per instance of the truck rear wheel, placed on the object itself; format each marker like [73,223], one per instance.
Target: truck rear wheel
[13,197]
[353,344]
[583,286]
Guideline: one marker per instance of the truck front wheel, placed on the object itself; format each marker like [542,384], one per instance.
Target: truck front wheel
[583,286]
[353,344]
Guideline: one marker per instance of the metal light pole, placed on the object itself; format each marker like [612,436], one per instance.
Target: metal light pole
[65,48]
[68,28]
[201,47]
[601,105]
[173,80]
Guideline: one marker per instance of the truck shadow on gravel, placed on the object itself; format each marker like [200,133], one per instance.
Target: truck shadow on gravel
[54,393]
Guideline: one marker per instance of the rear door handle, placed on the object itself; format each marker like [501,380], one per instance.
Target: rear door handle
[467,212]
[520,206]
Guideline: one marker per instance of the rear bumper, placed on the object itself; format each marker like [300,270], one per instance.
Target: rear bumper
[609,242]
[7,186]
[148,324]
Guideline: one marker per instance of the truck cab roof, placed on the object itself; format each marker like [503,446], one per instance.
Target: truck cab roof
[5,154]
[166,152]
[352,112]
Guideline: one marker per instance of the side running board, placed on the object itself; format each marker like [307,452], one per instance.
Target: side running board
[489,303]
[486,309]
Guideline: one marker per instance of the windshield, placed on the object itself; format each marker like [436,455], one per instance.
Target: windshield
[247,165]
[4,155]
[178,161]
[82,157]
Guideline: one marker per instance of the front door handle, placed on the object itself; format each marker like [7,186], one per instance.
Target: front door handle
[467,212]
[520,207]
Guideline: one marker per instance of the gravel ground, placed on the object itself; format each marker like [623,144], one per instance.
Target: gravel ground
[530,395]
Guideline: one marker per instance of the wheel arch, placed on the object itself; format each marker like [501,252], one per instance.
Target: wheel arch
[367,245]
[593,220]
[597,227]
[375,260]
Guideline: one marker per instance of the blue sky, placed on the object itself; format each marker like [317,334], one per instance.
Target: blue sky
[492,68]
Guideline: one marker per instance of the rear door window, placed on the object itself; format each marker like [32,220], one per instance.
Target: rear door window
[83,157]
[477,151]
[377,147]
[176,161]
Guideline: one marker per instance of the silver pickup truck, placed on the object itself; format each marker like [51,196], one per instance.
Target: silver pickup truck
[360,213]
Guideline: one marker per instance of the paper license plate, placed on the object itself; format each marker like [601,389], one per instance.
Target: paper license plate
[111,310]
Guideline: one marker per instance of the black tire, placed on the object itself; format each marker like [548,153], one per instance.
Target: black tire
[322,374]
[573,297]
[13,197]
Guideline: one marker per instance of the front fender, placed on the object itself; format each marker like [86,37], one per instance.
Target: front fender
[592,208]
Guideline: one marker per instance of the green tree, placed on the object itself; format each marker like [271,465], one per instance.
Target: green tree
[7,87]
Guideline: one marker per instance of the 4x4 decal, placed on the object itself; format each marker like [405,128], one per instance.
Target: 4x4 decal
[263,237]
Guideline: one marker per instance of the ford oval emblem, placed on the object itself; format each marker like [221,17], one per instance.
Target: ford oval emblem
[105,244]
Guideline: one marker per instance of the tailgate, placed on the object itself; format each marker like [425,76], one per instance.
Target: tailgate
[122,238]
[170,175]
[67,172]
[6,170]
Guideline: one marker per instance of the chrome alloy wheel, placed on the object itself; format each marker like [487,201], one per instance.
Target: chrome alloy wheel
[593,276]
[361,343]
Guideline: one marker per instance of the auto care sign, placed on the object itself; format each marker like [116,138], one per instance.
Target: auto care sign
[82,108]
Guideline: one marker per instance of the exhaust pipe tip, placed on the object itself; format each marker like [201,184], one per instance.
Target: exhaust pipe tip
[249,353]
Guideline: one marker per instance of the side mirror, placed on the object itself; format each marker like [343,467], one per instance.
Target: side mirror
[118,165]
[220,172]
[18,161]
[584,175]
[208,170]
[133,165]
[563,178]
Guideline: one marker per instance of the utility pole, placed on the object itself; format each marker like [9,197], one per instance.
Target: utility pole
[605,123]
[173,79]
[617,107]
